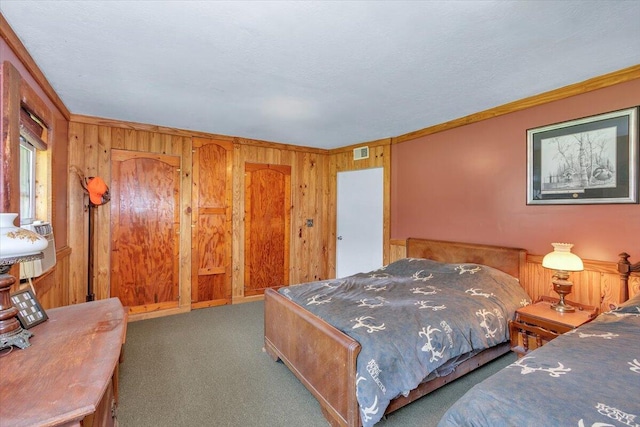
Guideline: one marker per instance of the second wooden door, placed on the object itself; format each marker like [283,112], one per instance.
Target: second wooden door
[211,223]
[267,227]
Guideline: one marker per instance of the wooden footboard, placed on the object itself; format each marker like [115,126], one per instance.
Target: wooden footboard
[322,357]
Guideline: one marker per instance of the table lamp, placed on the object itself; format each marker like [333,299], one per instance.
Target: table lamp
[563,261]
[16,245]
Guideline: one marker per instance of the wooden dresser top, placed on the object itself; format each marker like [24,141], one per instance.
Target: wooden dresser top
[62,376]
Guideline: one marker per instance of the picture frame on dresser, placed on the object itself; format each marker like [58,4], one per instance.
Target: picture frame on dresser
[30,312]
[592,160]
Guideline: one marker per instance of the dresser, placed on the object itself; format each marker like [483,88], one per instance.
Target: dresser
[69,374]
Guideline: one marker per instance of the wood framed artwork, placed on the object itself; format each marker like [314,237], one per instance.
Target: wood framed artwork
[585,161]
[30,313]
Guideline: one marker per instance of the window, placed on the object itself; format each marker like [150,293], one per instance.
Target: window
[27,182]
[34,167]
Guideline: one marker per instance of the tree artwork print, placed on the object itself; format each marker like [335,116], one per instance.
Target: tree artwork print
[573,163]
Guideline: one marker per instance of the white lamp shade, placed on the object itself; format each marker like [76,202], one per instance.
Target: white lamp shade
[18,242]
[562,259]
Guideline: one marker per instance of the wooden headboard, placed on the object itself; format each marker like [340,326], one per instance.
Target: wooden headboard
[510,260]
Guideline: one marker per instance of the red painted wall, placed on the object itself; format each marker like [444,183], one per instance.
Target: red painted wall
[469,184]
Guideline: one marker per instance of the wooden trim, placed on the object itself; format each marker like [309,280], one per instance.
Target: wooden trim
[123,124]
[99,121]
[34,104]
[149,308]
[134,317]
[32,130]
[9,153]
[77,215]
[244,299]
[398,242]
[6,32]
[600,82]
[279,146]
[375,143]
[63,252]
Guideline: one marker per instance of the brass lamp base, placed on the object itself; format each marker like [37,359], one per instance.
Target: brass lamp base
[562,287]
[19,338]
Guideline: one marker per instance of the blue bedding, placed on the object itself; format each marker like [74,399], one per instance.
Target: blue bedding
[589,377]
[411,318]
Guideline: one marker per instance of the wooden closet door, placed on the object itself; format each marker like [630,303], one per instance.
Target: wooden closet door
[267,227]
[211,220]
[145,224]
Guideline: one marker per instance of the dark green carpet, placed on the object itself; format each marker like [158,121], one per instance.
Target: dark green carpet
[207,368]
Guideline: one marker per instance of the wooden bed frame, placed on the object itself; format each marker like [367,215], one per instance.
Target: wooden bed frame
[324,359]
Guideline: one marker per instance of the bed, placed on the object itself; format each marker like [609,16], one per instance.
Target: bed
[587,377]
[324,358]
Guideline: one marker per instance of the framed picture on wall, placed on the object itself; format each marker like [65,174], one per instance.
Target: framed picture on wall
[585,161]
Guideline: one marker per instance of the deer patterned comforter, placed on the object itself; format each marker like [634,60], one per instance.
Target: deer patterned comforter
[412,318]
[589,377]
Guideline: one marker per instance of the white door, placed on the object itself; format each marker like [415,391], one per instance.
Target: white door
[359,221]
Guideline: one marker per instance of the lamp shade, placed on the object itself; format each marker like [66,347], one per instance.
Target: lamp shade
[562,259]
[16,242]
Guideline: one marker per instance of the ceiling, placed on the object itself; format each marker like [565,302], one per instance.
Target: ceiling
[321,74]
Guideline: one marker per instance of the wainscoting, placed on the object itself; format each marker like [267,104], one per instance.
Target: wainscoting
[50,287]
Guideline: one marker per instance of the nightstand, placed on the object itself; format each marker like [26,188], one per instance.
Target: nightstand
[537,323]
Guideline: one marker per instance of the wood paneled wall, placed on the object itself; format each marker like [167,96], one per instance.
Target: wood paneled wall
[598,285]
[342,160]
[91,140]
